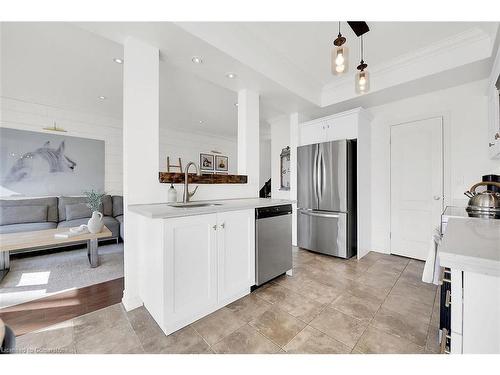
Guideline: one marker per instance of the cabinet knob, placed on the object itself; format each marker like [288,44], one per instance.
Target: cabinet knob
[215,227]
[223,225]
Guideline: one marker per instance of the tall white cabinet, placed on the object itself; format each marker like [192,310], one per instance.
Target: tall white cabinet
[352,124]
[197,264]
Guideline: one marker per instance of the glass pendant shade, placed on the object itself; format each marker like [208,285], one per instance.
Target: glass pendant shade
[362,82]
[340,60]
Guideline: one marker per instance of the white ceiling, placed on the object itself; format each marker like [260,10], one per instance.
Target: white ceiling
[308,45]
[186,99]
[60,65]
[288,63]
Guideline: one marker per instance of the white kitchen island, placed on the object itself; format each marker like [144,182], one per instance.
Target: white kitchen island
[471,249]
[195,260]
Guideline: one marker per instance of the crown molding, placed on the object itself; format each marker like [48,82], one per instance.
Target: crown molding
[443,55]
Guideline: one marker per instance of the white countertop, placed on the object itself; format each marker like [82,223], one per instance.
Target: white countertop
[472,245]
[454,211]
[165,210]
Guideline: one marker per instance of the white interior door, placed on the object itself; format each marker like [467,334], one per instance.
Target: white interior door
[416,185]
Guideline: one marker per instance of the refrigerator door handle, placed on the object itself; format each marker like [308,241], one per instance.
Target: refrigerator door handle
[315,172]
[318,173]
[318,214]
[323,175]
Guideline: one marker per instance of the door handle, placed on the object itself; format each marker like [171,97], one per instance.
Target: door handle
[323,174]
[437,197]
[316,172]
[447,302]
[319,173]
[223,225]
[215,227]
[319,214]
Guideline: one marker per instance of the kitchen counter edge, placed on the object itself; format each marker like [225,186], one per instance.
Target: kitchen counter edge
[164,211]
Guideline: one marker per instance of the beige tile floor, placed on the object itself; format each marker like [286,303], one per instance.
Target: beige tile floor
[329,305]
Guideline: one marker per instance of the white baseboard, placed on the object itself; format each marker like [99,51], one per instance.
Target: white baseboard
[131,302]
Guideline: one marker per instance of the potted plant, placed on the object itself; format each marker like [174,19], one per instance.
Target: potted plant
[94,202]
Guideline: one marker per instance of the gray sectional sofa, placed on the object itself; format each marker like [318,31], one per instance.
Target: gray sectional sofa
[21,215]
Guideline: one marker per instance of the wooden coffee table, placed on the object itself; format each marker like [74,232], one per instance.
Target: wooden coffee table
[43,239]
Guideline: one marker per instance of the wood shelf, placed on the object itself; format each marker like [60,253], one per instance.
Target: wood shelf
[178,178]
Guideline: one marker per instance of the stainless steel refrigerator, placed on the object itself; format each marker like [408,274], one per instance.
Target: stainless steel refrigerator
[326,198]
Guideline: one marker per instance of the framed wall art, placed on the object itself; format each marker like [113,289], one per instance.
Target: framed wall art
[221,163]
[206,162]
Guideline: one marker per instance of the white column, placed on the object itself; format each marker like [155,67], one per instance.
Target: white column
[248,138]
[140,150]
[294,141]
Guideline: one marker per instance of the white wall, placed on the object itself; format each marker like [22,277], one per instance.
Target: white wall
[17,114]
[465,115]
[280,138]
[265,162]
[189,145]
[141,139]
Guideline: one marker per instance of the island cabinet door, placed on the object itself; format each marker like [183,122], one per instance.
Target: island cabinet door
[236,254]
[190,269]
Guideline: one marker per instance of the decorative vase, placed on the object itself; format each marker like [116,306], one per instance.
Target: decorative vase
[95,223]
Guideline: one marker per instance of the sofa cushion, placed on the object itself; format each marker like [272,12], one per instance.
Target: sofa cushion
[50,202]
[107,205]
[63,201]
[27,227]
[23,214]
[117,205]
[77,211]
[122,226]
[110,222]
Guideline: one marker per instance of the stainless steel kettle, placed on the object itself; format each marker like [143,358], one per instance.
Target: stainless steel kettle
[485,204]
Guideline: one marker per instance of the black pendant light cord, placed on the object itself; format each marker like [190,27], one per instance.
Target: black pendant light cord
[362,49]
[362,65]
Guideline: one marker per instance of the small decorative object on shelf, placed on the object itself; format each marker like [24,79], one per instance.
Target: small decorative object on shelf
[285,168]
[94,202]
[169,166]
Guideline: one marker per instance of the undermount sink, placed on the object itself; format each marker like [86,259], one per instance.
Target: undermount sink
[194,205]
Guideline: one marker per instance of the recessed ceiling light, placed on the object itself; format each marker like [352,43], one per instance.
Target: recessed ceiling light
[201,121]
[118,60]
[102,97]
[231,75]
[197,59]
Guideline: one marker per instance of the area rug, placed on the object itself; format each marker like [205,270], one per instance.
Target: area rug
[40,276]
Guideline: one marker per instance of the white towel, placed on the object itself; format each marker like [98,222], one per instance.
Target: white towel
[432,264]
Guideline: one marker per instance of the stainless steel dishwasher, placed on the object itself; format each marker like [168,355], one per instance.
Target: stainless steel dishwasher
[273,239]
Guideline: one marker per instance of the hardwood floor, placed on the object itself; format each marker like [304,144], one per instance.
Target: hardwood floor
[44,312]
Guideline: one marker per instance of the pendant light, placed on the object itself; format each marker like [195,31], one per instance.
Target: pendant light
[362,83]
[339,55]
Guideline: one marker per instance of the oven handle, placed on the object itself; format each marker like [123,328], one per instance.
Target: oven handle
[318,214]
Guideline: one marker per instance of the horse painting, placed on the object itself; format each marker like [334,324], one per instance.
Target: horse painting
[43,160]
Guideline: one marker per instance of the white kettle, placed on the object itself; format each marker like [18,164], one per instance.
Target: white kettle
[95,223]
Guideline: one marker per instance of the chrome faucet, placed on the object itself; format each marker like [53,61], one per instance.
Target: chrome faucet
[187,195]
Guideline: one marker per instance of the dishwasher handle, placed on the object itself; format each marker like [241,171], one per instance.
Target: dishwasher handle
[272,211]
